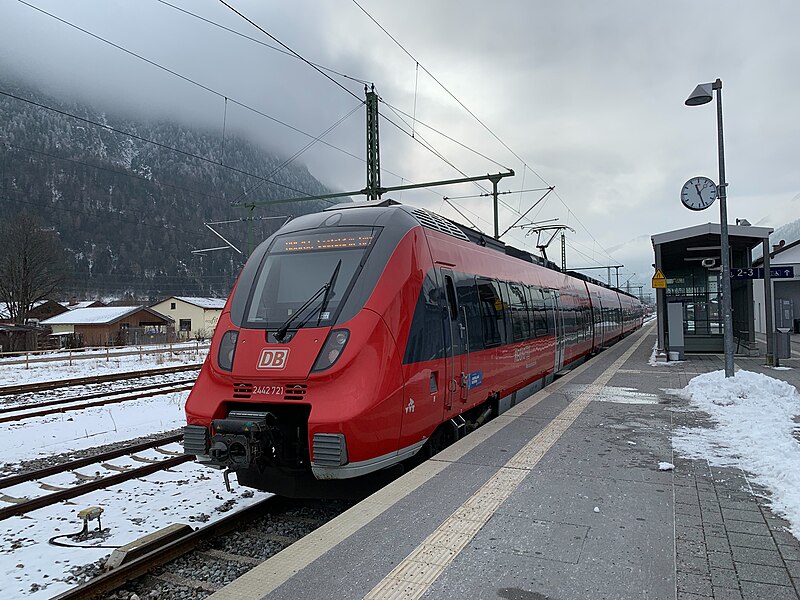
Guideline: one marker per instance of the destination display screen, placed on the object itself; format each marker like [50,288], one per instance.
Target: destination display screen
[325,241]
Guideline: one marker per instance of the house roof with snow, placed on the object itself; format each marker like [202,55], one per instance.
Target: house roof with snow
[206,303]
[103,315]
[81,304]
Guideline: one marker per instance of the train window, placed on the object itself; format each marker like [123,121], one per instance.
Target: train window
[297,268]
[451,298]
[518,306]
[492,319]
[539,322]
[502,289]
[550,306]
[468,303]
[426,336]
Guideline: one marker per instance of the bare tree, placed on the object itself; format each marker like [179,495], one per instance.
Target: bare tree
[32,265]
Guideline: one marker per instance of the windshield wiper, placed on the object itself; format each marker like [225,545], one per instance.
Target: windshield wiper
[281,331]
[329,292]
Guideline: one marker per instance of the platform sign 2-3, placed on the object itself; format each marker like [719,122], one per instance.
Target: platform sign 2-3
[758,273]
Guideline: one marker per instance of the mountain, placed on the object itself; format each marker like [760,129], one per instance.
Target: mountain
[790,232]
[129,209]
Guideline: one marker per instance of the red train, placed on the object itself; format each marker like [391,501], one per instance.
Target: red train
[361,336]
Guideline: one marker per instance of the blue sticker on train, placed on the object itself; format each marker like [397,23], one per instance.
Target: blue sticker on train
[475,379]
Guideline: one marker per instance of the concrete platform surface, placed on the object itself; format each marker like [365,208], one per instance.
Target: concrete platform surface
[560,498]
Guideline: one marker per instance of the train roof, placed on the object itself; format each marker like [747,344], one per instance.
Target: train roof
[432,220]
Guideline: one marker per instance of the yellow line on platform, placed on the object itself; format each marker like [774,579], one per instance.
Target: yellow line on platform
[278,569]
[413,577]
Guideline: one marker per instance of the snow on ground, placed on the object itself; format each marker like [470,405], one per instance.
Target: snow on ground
[189,493]
[17,374]
[755,421]
[654,363]
[81,429]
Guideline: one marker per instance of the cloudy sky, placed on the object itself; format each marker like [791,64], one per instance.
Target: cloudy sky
[585,96]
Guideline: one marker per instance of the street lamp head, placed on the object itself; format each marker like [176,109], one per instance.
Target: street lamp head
[700,95]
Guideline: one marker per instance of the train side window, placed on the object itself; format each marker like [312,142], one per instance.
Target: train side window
[539,312]
[467,294]
[502,290]
[451,298]
[518,306]
[550,307]
[492,319]
[529,296]
[426,337]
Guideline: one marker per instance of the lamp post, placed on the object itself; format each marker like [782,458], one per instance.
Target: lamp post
[703,94]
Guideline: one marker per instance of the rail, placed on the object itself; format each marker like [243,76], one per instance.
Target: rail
[49,385]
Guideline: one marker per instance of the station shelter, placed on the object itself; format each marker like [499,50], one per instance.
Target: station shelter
[690,305]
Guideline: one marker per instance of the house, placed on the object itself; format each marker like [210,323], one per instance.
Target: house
[18,338]
[114,325]
[195,318]
[41,310]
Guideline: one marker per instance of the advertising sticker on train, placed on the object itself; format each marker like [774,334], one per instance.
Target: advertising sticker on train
[659,281]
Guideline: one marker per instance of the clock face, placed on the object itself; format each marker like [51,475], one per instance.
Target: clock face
[698,193]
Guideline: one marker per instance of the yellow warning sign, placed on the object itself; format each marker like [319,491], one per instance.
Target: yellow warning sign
[659,281]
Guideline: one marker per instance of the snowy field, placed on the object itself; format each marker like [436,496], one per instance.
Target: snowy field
[30,567]
[757,418]
[100,364]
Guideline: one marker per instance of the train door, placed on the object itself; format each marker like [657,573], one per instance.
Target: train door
[561,339]
[457,369]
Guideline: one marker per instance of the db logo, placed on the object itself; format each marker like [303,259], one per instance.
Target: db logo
[272,359]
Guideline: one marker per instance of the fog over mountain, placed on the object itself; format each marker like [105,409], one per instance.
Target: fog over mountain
[129,212]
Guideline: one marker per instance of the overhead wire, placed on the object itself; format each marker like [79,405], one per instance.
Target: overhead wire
[474,116]
[149,141]
[226,98]
[192,81]
[276,40]
[397,110]
[109,170]
[294,157]
[263,43]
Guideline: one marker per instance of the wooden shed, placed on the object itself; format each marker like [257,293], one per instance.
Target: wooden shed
[115,325]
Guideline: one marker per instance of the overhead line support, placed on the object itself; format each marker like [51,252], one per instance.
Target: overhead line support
[373,146]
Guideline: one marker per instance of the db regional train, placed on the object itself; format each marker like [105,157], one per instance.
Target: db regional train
[368,334]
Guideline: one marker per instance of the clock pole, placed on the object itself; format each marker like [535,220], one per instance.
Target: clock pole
[701,95]
[724,243]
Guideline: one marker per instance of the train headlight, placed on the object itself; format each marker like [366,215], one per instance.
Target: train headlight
[227,349]
[332,349]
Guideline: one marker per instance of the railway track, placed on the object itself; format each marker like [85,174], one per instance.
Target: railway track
[49,385]
[140,388]
[41,409]
[163,569]
[20,506]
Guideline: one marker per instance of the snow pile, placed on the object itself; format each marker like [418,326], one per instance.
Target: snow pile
[755,421]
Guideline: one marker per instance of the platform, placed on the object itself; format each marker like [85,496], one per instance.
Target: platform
[560,498]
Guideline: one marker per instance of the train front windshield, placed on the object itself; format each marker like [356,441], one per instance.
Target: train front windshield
[297,270]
